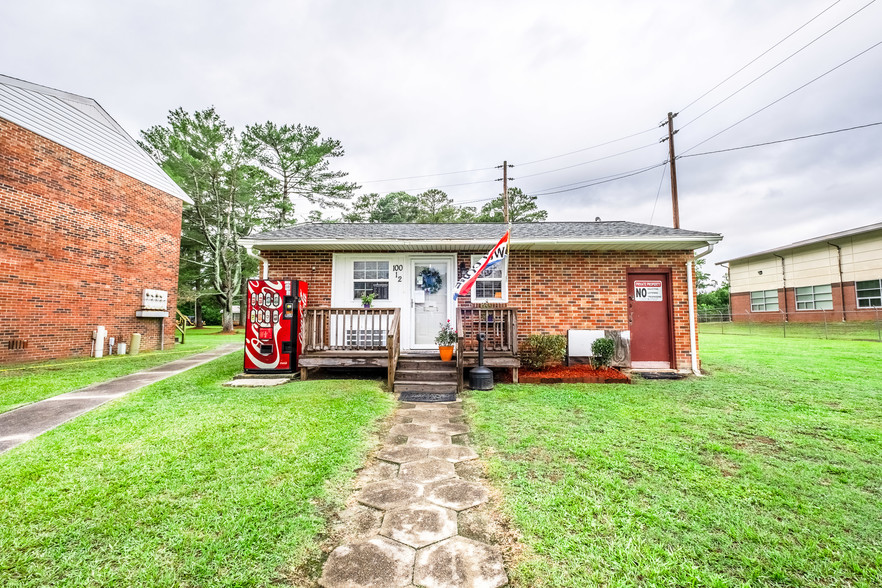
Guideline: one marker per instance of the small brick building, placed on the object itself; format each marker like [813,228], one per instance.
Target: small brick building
[572,279]
[87,222]
[836,277]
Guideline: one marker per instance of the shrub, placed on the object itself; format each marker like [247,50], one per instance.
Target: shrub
[603,351]
[544,351]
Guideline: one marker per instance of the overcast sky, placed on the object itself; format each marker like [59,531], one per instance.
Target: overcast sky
[413,88]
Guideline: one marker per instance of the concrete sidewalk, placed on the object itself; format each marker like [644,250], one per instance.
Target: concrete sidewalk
[27,422]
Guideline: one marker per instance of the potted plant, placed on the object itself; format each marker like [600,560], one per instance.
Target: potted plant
[367,299]
[445,340]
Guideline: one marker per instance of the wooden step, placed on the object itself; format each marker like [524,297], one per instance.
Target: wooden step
[423,386]
[431,375]
[410,363]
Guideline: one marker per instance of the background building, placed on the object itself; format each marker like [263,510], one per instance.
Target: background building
[837,276]
[88,222]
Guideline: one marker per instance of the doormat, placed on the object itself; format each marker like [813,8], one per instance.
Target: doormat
[662,375]
[427,396]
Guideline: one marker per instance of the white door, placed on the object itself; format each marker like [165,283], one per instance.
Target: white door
[431,292]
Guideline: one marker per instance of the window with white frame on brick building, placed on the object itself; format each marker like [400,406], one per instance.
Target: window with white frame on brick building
[491,284]
[814,297]
[869,293]
[764,301]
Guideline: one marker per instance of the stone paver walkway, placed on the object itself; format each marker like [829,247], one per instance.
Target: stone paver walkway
[407,519]
[25,423]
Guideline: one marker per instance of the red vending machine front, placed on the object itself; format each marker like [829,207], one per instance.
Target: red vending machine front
[273,335]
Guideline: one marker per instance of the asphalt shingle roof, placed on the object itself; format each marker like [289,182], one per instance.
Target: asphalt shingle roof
[478,231]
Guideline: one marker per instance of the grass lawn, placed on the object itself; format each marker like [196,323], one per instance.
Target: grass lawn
[855,330]
[185,483]
[23,384]
[767,472]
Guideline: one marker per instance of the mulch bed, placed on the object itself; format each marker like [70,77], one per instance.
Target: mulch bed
[573,374]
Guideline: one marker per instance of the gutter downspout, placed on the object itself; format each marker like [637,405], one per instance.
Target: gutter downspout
[250,251]
[841,283]
[693,347]
[784,281]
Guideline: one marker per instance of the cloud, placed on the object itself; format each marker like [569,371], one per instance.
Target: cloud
[415,88]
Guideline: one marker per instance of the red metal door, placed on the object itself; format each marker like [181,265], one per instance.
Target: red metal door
[649,309]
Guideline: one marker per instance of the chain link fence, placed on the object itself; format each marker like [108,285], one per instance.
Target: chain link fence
[808,324]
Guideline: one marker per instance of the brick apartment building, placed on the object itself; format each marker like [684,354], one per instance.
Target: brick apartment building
[87,223]
[832,277]
[563,278]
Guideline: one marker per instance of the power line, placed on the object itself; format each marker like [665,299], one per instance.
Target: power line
[535,174]
[610,178]
[465,171]
[589,148]
[522,176]
[750,83]
[752,61]
[595,183]
[658,192]
[829,71]
[783,140]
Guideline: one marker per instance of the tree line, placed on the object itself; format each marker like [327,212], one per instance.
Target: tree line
[246,182]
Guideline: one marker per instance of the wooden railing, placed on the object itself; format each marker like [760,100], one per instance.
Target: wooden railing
[181,324]
[500,328]
[349,329]
[393,346]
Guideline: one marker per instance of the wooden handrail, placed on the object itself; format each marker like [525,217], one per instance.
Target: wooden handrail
[393,346]
[348,329]
[460,368]
[181,325]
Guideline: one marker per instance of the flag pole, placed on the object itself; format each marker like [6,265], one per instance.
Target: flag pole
[507,214]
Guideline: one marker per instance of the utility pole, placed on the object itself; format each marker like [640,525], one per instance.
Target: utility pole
[505,191]
[673,160]
[505,179]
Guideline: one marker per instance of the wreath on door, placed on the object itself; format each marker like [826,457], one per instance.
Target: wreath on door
[431,280]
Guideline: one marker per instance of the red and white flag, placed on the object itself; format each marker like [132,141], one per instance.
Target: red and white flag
[496,255]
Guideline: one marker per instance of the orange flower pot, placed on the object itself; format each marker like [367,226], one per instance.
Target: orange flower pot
[446,352]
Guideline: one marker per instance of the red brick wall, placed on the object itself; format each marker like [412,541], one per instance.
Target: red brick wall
[80,242]
[554,290]
[841,292]
[313,266]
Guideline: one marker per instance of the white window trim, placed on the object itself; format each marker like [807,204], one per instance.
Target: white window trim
[472,294]
[777,303]
[388,279]
[814,302]
[858,297]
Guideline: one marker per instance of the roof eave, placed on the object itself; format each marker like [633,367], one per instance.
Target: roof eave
[670,242]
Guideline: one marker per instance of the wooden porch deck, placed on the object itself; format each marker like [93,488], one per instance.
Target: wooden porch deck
[371,337]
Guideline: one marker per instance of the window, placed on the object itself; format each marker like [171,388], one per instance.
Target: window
[869,293]
[489,285]
[814,298]
[763,300]
[370,276]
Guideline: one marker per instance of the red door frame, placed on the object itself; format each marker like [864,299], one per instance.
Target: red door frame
[669,306]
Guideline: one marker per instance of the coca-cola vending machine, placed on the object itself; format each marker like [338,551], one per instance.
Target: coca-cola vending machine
[273,325]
